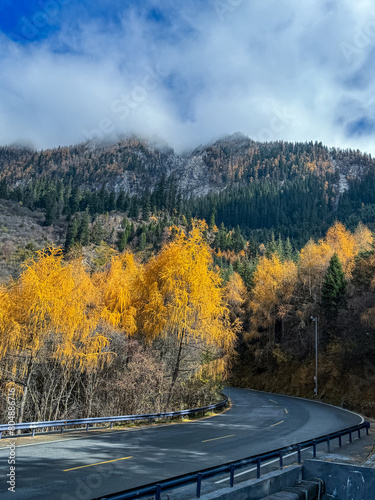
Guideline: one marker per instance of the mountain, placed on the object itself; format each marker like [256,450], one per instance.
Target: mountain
[134,165]
[295,189]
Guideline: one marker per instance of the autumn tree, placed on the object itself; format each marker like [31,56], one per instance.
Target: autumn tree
[119,286]
[313,264]
[274,284]
[363,238]
[343,243]
[50,302]
[235,295]
[183,299]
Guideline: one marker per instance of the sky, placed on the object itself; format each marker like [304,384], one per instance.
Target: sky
[187,71]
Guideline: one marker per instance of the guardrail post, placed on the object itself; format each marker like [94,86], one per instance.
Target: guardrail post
[33,433]
[314,448]
[281,460]
[328,444]
[199,485]
[62,429]
[87,427]
[111,425]
[258,468]
[158,492]
[299,454]
[231,480]
[340,440]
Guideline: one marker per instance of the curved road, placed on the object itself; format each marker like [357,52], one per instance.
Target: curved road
[89,465]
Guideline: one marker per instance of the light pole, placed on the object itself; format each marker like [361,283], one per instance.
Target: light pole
[316,355]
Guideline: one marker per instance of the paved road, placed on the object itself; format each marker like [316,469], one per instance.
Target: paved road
[88,466]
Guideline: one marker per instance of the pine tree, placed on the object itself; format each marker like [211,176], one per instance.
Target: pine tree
[83,229]
[280,248]
[212,222]
[4,189]
[71,234]
[134,208]
[51,209]
[125,222]
[288,250]
[122,240]
[97,232]
[142,243]
[110,202]
[120,202]
[146,209]
[272,246]
[334,288]
[238,241]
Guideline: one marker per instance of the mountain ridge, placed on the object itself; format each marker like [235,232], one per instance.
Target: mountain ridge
[135,165]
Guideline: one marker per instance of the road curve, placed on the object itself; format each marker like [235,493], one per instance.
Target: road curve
[88,466]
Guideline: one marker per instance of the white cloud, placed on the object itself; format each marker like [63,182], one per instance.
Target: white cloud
[274,70]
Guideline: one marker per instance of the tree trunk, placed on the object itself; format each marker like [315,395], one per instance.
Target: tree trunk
[176,371]
[25,391]
[64,383]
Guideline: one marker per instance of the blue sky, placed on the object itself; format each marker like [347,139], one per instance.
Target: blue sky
[187,71]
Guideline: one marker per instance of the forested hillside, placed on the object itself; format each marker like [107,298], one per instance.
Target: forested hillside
[295,189]
[162,274]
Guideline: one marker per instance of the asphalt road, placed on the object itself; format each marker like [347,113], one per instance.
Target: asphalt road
[90,465]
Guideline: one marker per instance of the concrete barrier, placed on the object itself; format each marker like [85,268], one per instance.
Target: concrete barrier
[257,489]
[342,482]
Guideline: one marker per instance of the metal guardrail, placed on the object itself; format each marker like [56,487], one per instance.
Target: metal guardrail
[62,424]
[197,477]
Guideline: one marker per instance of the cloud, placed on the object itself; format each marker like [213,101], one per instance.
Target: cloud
[190,71]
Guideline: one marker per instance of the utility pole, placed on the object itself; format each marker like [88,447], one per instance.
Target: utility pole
[316,355]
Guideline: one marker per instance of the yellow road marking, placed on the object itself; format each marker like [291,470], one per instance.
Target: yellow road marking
[286,411]
[214,439]
[99,463]
[281,421]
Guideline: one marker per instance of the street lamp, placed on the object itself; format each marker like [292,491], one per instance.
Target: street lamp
[316,355]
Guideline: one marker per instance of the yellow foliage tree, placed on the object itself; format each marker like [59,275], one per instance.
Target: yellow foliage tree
[274,284]
[363,238]
[313,264]
[343,243]
[120,286]
[54,303]
[182,297]
[235,295]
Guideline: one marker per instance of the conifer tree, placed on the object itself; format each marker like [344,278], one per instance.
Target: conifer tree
[146,209]
[238,241]
[97,232]
[84,230]
[71,235]
[272,246]
[134,208]
[142,243]
[280,248]
[334,288]
[288,250]
[212,221]
[122,240]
